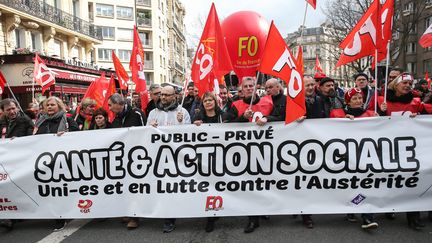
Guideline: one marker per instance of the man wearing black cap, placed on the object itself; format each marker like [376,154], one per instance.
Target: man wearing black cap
[329,97]
[361,82]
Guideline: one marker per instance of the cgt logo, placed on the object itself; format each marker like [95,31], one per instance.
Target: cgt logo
[214,203]
[85,205]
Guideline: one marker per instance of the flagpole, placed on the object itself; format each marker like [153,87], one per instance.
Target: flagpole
[184,92]
[254,91]
[376,80]
[387,72]
[13,95]
[304,23]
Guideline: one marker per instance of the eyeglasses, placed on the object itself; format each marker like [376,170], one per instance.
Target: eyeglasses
[166,94]
[269,87]
[157,93]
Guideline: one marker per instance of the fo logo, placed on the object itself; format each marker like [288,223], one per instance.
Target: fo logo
[214,203]
[85,205]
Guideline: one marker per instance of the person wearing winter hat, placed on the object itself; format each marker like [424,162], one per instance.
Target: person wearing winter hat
[354,109]
[400,97]
[328,94]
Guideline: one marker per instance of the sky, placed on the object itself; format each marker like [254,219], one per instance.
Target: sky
[287,14]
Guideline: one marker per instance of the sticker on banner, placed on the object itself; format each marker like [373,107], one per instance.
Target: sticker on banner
[358,199]
[85,205]
[214,203]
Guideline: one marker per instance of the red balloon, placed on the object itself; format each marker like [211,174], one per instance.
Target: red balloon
[245,36]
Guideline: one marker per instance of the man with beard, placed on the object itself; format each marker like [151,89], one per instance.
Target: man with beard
[126,116]
[361,82]
[328,95]
[226,102]
[167,113]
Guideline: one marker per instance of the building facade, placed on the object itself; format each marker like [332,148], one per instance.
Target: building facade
[411,19]
[317,41]
[177,41]
[60,31]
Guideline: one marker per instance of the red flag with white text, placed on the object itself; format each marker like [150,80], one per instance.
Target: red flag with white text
[136,66]
[2,83]
[277,60]
[426,38]
[312,3]
[212,59]
[365,37]
[122,75]
[42,75]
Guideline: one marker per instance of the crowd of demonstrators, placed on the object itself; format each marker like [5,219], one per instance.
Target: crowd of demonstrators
[323,100]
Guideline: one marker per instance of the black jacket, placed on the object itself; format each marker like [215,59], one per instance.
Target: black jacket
[130,117]
[51,126]
[279,105]
[19,127]
[315,107]
[331,103]
[150,106]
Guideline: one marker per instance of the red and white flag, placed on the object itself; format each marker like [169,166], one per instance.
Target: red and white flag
[2,83]
[426,39]
[312,3]
[212,59]
[386,16]
[111,89]
[136,66]
[98,90]
[122,75]
[42,74]
[318,67]
[365,37]
[277,60]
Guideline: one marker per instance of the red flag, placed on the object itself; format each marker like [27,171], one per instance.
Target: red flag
[136,66]
[211,60]
[386,16]
[312,3]
[428,79]
[300,58]
[318,68]
[426,39]
[277,60]
[2,83]
[122,75]
[98,90]
[111,89]
[42,75]
[362,40]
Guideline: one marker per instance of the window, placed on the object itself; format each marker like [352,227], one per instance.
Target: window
[160,42]
[163,26]
[104,10]
[36,41]
[124,34]
[163,45]
[164,63]
[428,21]
[75,8]
[124,12]
[160,23]
[75,52]
[57,48]
[19,38]
[411,67]
[105,54]
[161,64]
[108,32]
[145,39]
[124,55]
[412,28]
[410,48]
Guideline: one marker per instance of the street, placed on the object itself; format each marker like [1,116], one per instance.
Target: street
[328,228]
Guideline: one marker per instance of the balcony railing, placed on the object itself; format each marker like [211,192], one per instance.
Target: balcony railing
[144,22]
[148,64]
[146,3]
[178,31]
[179,67]
[147,43]
[56,16]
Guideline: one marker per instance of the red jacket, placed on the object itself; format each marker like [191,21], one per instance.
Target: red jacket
[265,106]
[414,106]
[340,113]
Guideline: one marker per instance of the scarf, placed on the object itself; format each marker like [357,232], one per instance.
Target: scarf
[63,125]
[167,108]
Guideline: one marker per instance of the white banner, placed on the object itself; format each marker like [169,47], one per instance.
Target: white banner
[317,166]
